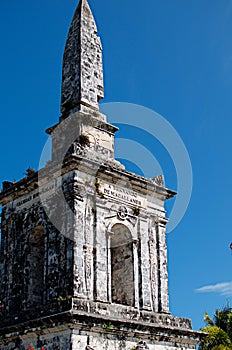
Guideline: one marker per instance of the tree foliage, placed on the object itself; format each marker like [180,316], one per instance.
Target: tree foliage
[216,337]
[219,330]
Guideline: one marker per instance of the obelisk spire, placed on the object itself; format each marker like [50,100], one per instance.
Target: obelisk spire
[82,78]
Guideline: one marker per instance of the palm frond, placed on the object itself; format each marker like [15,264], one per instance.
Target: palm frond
[208,320]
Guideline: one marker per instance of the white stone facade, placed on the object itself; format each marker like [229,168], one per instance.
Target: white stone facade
[83,253]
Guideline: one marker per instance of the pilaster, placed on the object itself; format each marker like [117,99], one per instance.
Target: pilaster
[100,265]
[79,256]
[163,267]
[154,263]
[136,271]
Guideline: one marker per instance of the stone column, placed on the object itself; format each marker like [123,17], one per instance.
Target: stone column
[136,271]
[163,266]
[79,271]
[88,270]
[88,250]
[100,256]
[154,266]
[109,266]
[145,266]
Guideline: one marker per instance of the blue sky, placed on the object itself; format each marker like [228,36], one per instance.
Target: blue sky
[174,57]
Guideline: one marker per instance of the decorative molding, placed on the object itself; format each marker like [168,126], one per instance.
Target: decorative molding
[158,180]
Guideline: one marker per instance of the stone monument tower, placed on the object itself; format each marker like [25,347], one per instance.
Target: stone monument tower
[83,243]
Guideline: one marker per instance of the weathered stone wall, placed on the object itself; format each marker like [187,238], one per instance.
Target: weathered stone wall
[60,339]
[122,270]
[96,335]
[89,256]
[110,250]
[102,234]
[37,267]
[70,341]
[98,134]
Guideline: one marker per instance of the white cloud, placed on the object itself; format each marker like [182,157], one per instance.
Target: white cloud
[224,289]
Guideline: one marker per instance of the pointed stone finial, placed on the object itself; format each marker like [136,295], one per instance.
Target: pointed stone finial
[82,77]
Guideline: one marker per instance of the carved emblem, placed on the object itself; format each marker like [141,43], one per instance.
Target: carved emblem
[122,213]
[78,149]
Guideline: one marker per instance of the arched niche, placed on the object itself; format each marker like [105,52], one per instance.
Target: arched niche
[36,266]
[122,266]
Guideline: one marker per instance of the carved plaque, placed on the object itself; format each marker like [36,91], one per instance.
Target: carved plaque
[122,194]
